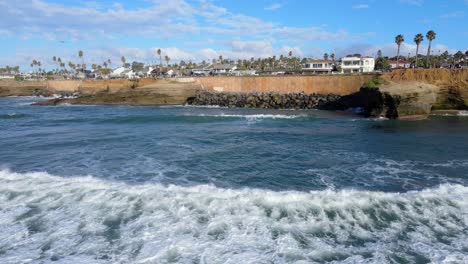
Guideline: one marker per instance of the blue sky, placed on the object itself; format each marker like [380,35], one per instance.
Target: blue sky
[202,29]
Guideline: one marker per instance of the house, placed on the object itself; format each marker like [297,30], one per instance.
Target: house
[401,65]
[201,71]
[224,68]
[319,66]
[357,64]
[7,76]
[245,73]
[120,72]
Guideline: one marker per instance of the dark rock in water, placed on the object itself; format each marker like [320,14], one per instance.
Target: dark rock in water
[262,100]
[372,102]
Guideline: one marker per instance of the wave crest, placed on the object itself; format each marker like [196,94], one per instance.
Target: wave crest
[85,218]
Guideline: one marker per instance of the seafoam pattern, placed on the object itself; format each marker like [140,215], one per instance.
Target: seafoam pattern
[88,220]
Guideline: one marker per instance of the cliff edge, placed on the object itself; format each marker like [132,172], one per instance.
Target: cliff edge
[422,91]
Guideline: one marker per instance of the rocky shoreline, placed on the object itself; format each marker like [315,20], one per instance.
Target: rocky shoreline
[368,102]
[263,100]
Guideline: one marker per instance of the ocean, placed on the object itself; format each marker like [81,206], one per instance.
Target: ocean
[127,184]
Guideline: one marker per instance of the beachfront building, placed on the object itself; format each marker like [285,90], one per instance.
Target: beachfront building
[319,66]
[7,76]
[401,65]
[357,64]
[224,69]
[205,71]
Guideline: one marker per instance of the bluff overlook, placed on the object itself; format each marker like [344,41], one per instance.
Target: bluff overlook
[398,94]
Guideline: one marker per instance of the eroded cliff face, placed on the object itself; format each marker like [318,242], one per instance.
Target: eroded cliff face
[422,90]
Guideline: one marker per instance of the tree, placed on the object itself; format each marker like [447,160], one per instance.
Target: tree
[332,56]
[80,54]
[398,40]
[459,56]
[325,56]
[381,64]
[123,60]
[418,39]
[220,58]
[137,66]
[109,62]
[379,54]
[167,59]
[160,58]
[290,53]
[430,35]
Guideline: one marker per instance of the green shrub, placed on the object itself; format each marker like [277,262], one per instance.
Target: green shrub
[374,83]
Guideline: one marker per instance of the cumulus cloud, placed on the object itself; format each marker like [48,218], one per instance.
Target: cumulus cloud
[164,19]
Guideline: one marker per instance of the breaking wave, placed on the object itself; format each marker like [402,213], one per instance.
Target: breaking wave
[256,116]
[87,220]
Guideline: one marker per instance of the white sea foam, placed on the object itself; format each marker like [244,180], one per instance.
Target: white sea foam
[463,113]
[88,220]
[256,116]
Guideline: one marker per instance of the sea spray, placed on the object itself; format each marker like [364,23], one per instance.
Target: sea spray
[85,219]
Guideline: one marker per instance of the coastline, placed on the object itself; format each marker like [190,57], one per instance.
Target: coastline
[403,94]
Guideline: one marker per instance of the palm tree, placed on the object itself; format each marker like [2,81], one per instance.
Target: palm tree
[220,58]
[109,62]
[80,54]
[430,35]
[418,39]
[332,56]
[123,60]
[167,59]
[160,58]
[398,40]
[325,56]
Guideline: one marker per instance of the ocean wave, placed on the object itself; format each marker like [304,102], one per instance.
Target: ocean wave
[12,116]
[85,219]
[254,116]
[463,113]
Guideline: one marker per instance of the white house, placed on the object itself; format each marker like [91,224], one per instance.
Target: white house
[357,64]
[402,64]
[7,76]
[205,71]
[319,66]
[224,69]
[121,72]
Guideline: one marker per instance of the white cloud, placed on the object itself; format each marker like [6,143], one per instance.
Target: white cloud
[162,19]
[456,14]
[360,6]
[412,2]
[273,6]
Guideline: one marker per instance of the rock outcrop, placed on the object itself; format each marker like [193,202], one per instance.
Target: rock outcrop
[423,90]
[263,100]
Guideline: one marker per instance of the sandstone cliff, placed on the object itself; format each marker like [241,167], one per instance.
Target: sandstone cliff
[419,91]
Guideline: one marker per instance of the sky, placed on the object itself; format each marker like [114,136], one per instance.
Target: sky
[196,30]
